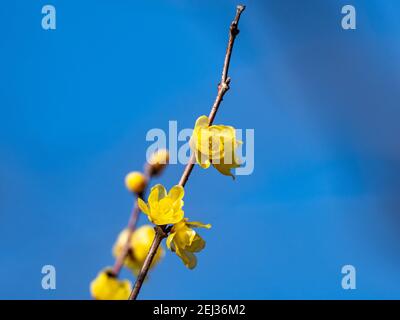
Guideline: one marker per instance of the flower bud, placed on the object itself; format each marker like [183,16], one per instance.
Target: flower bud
[135,182]
[158,161]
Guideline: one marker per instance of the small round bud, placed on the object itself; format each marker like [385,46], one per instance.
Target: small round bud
[158,161]
[135,182]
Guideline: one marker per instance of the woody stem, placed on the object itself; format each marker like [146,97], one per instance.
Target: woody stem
[223,87]
[119,261]
[160,235]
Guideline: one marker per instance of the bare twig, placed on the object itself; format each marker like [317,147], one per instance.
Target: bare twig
[134,217]
[223,87]
[160,235]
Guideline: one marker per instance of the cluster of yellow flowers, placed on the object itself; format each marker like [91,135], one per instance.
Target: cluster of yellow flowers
[166,208]
[107,286]
[212,145]
[139,249]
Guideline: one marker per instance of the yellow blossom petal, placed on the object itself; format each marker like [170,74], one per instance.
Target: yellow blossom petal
[197,224]
[170,218]
[197,244]
[184,241]
[184,237]
[188,258]
[202,160]
[202,122]
[225,168]
[107,287]
[176,193]
[157,193]
[143,206]
[170,239]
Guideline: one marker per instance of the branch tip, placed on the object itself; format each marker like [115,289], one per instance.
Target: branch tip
[240,8]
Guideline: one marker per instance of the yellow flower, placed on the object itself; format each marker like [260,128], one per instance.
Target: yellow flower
[158,161]
[140,244]
[135,182]
[184,241]
[215,145]
[107,287]
[164,208]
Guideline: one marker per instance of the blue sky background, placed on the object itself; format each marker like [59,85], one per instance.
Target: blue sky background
[76,104]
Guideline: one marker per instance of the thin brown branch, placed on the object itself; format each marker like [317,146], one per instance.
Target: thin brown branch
[223,87]
[133,219]
[160,235]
